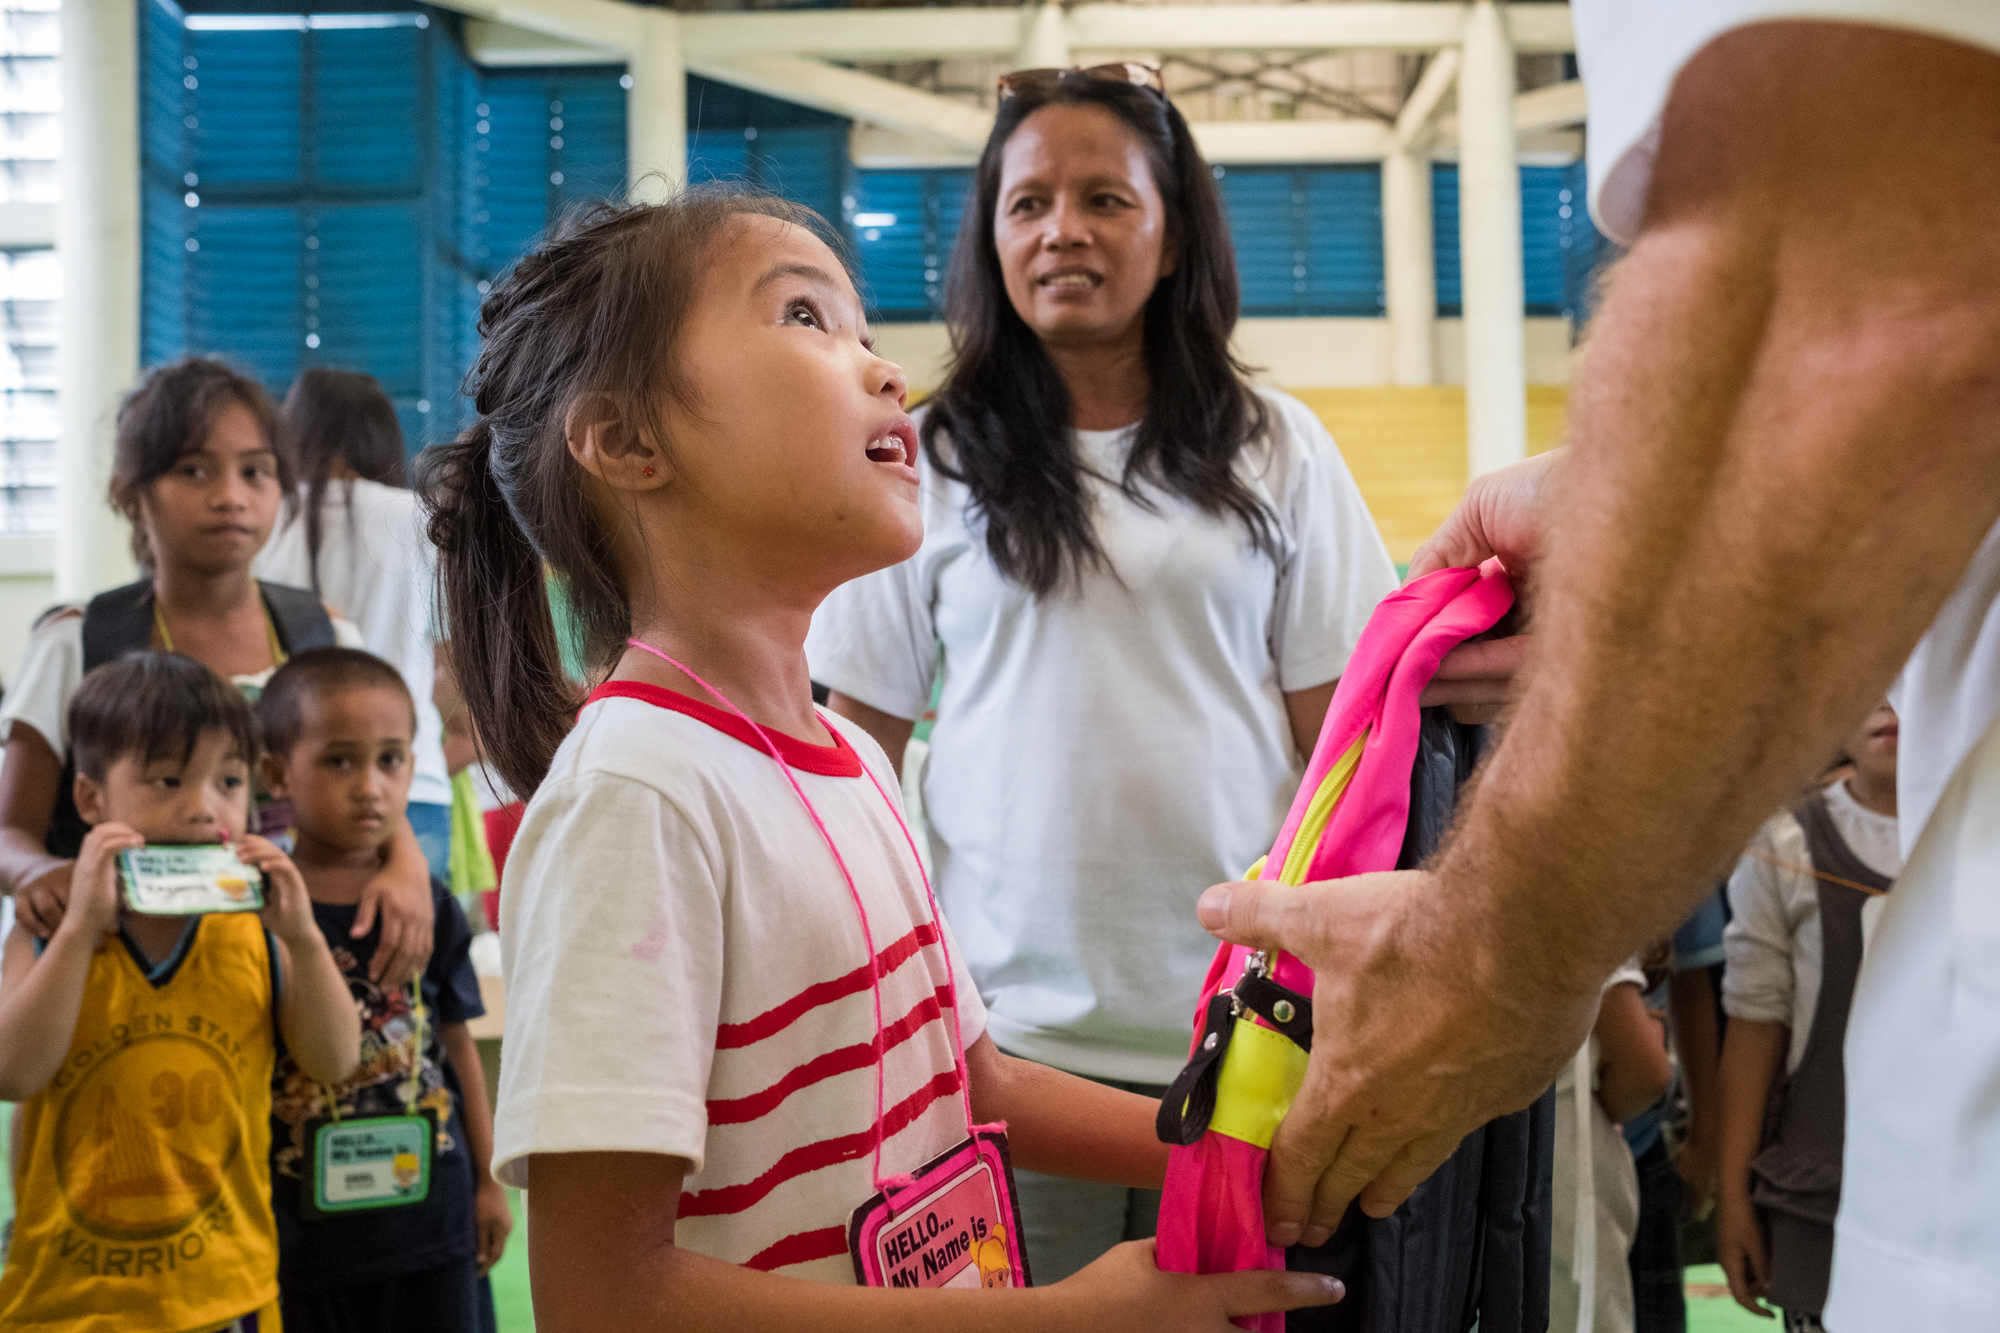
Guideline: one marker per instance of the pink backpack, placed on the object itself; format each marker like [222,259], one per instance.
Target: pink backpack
[1254,1026]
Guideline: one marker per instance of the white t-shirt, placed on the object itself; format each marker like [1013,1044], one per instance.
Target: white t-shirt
[1630,51]
[1102,756]
[52,669]
[687,975]
[378,567]
[1918,1236]
[1773,947]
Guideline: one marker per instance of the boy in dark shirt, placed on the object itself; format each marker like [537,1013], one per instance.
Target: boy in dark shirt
[406,1245]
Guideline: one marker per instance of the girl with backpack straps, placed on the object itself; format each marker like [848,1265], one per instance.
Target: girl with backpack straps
[200,468]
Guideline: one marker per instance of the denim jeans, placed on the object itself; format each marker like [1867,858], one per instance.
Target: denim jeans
[431,822]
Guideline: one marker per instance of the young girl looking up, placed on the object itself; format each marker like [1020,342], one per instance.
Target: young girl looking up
[201,469]
[735,1014]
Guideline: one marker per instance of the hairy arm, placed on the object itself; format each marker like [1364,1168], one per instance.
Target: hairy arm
[890,732]
[1065,1125]
[1786,450]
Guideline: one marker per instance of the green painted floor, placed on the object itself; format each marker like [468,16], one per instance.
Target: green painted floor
[1710,1307]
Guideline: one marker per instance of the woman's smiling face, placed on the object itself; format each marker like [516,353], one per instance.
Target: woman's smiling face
[1079,226]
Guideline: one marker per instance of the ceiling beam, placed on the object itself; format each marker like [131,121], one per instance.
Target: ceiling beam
[942,33]
[1554,106]
[854,34]
[858,96]
[1420,109]
[615,27]
[502,45]
[1249,142]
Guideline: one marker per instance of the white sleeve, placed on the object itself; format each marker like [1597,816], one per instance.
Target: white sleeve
[1339,567]
[874,640]
[1757,977]
[346,634]
[613,945]
[51,670]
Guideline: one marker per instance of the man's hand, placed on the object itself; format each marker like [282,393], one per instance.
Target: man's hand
[1424,1028]
[1503,513]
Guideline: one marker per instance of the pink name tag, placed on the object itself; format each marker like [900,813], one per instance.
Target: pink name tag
[954,1225]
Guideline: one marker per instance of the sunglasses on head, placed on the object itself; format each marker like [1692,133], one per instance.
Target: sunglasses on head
[1137,73]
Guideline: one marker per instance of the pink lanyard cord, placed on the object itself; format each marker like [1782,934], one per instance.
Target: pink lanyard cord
[860,910]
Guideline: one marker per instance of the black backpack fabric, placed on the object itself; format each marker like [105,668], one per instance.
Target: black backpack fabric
[121,621]
[1471,1245]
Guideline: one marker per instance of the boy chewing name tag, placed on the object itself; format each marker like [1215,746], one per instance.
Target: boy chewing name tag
[188,881]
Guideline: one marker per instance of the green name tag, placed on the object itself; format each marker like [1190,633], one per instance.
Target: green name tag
[378,1162]
[185,881]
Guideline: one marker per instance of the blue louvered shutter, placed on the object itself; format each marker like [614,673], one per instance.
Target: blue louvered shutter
[1542,234]
[806,164]
[1343,263]
[1444,238]
[892,254]
[1268,248]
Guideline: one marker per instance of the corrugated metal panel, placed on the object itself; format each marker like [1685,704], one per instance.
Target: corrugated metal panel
[892,255]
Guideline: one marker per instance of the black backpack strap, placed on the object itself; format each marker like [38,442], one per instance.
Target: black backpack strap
[116,623]
[300,616]
[1190,1100]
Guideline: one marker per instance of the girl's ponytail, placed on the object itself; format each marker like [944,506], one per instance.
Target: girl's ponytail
[504,648]
[594,308]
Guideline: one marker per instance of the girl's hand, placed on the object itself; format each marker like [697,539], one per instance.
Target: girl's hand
[40,902]
[287,906]
[1739,1249]
[494,1219]
[93,888]
[1126,1289]
[401,893]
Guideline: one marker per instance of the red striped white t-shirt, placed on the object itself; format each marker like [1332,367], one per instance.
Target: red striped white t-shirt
[687,974]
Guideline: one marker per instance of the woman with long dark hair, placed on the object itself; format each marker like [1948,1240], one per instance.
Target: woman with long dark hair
[1139,580]
[357,539]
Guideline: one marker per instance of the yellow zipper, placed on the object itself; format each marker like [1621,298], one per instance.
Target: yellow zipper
[1331,788]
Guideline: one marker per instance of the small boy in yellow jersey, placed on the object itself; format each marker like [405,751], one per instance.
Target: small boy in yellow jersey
[141,1046]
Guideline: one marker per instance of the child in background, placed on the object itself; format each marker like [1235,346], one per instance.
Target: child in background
[142,1046]
[734,1014]
[340,727]
[1804,898]
[1595,1213]
[202,469]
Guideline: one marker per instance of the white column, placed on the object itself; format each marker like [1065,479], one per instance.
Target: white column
[97,239]
[1409,271]
[1044,40]
[656,109]
[1489,246]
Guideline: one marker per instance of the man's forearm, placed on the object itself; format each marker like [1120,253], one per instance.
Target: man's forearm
[1787,440]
